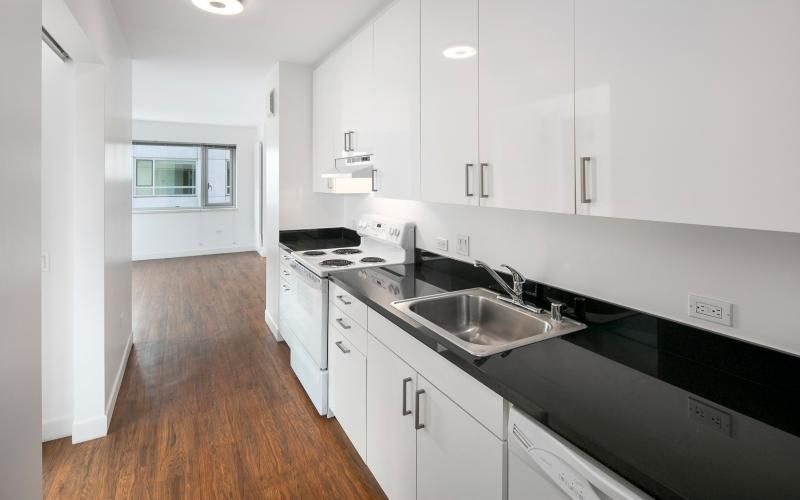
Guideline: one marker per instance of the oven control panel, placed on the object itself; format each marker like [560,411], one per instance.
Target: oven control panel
[382,228]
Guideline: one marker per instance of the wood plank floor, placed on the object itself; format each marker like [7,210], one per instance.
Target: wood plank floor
[209,407]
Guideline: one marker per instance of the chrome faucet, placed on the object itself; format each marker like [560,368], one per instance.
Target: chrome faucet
[516,292]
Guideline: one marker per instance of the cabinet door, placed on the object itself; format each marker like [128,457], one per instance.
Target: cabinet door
[359,92]
[396,118]
[328,137]
[348,393]
[449,87]
[527,105]
[689,111]
[391,443]
[456,456]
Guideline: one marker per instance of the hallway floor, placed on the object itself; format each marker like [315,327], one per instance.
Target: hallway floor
[209,406]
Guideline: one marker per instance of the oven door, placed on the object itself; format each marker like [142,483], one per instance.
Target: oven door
[309,321]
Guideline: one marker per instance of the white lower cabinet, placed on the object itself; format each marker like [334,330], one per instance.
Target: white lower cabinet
[391,437]
[456,456]
[421,442]
[348,389]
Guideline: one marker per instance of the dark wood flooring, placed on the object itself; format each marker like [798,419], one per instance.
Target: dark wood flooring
[209,407]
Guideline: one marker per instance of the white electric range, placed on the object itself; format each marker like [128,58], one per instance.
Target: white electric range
[384,242]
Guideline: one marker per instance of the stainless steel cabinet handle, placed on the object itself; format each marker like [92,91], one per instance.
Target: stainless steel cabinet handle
[584,167]
[346,135]
[484,194]
[342,348]
[406,411]
[374,184]
[342,299]
[467,192]
[343,324]
[417,394]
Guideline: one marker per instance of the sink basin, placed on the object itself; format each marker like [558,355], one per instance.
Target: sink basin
[482,325]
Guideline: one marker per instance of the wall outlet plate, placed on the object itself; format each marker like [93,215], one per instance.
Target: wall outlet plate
[462,244]
[442,244]
[706,414]
[708,309]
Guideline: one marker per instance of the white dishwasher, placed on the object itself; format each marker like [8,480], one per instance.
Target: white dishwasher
[543,466]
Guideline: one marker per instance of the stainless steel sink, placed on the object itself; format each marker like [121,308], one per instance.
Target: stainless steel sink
[482,325]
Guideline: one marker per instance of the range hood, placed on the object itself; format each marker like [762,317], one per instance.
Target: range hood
[351,167]
[351,175]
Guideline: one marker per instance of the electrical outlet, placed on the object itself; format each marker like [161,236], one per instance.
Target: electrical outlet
[442,244]
[710,416]
[462,244]
[708,309]
[45,262]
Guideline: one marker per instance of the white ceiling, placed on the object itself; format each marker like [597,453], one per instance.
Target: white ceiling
[192,66]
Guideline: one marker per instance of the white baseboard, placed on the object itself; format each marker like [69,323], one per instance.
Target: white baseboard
[194,252]
[112,401]
[56,428]
[273,326]
[88,429]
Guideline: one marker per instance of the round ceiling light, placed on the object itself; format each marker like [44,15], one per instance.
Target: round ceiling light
[460,52]
[224,7]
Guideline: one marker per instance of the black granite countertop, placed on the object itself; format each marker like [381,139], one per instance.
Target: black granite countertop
[300,240]
[622,389]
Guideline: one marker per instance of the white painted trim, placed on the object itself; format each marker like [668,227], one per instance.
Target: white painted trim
[194,253]
[112,401]
[273,326]
[88,429]
[153,211]
[56,428]
[262,251]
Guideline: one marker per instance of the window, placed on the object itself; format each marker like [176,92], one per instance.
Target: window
[175,175]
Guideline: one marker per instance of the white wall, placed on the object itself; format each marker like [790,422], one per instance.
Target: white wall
[102,246]
[648,266]
[290,202]
[20,226]
[58,173]
[179,233]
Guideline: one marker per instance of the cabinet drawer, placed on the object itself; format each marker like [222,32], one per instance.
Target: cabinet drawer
[349,305]
[482,403]
[351,330]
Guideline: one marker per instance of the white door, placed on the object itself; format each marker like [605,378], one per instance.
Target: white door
[348,393]
[396,116]
[391,440]
[457,458]
[359,92]
[689,111]
[449,87]
[328,136]
[526,105]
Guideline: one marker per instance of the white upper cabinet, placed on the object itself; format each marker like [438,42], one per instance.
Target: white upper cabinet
[397,101]
[449,86]
[527,105]
[689,111]
[327,133]
[359,92]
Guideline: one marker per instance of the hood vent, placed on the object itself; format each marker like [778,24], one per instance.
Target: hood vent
[351,167]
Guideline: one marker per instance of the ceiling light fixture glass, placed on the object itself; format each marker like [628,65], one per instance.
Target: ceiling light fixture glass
[224,7]
[460,52]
